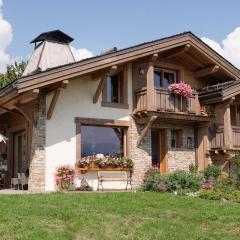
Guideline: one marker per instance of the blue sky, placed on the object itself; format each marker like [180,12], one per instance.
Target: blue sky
[100,25]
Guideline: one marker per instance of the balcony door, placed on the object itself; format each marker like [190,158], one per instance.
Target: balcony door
[159,149]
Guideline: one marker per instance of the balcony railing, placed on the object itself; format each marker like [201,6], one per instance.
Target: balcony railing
[167,102]
[218,140]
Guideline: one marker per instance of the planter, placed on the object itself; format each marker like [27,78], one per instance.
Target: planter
[81,170]
[64,185]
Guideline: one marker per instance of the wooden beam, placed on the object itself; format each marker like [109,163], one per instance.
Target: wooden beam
[35,91]
[145,130]
[112,70]
[99,88]
[53,104]
[65,83]
[177,51]
[11,111]
[150,88]
[24,112]
[154,57]
[206,71]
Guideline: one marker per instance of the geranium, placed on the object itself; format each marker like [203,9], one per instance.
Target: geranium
[105,161]
[208,184]
[182,89]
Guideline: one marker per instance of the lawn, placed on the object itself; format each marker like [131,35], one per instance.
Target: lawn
[116,216]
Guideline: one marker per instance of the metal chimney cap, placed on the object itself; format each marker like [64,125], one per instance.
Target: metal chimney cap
[56,35]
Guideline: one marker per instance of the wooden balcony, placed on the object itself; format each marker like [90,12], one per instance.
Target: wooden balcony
[219,141]
[163,101]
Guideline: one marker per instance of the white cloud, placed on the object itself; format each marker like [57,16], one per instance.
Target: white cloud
[81,53]
[5,40]
[229,48]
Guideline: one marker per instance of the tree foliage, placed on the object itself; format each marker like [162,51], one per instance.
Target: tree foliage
[13,72]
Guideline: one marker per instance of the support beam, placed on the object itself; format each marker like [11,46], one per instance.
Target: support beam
[53,104]
[24,112]
[177,51]
[206,71]
[11,111]
[65,83]
[150,88]
[145,130]
[154,57]
[99,88]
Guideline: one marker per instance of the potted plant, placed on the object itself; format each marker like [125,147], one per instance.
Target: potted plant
[181,88]
[63,176]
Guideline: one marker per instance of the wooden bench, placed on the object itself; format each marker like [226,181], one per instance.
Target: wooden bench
[120,176]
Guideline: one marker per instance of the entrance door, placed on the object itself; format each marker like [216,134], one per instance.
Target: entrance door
[19,153]
[159,150]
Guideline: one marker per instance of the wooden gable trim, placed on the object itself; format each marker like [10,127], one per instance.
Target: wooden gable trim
[53,103]
[176,52]
[145,130]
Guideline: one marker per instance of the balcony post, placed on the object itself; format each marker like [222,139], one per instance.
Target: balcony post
[227,125]
[150,88]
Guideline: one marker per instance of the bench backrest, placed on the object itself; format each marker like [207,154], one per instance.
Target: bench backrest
[112,174]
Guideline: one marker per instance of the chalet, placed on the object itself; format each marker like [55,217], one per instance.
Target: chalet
[119,103]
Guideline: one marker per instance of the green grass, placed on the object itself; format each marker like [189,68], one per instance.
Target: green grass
[116,216]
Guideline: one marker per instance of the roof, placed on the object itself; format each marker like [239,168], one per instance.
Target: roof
[121,56]
[56,35]
[219,92]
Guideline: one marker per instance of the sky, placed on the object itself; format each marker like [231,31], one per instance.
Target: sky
[98,25]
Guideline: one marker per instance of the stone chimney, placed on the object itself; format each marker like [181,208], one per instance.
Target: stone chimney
[51,50]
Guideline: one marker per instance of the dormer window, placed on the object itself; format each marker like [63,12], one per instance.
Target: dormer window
[164,77]
[115,90]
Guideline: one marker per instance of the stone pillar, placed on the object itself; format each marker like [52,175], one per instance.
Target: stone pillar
[38,155]
[141,155]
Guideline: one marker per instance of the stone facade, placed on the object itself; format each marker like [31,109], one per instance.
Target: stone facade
[38,155]
[141,155]
[177,158]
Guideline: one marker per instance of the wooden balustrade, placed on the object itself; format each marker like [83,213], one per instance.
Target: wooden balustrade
[236,136]
[218,139]
[167,102]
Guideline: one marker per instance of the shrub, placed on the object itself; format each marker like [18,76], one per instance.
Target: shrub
[217,194]
[212,171]
[235,171]
[211,194]
[192,168]
[171,182]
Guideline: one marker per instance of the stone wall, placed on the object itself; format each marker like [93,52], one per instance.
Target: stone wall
[177,158]
[38,156]
[181,158]
[141,155]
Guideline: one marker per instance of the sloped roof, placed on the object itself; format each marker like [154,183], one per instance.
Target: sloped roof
[129,54]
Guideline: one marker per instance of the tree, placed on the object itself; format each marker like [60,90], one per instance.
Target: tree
[14,71]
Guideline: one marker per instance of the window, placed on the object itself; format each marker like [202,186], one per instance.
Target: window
[163,78]
[105,140]
[176,138]
[105,136]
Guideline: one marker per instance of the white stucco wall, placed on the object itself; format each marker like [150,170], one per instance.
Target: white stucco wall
[75,101]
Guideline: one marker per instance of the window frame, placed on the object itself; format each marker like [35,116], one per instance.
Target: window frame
[179,138]
[165,70]
[111,123]
[124,103]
